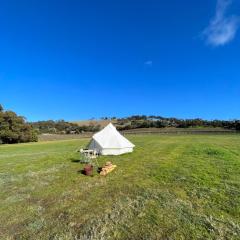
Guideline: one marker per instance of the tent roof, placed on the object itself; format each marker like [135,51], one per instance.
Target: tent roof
[109,137]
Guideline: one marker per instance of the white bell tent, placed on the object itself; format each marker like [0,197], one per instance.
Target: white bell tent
[109,141]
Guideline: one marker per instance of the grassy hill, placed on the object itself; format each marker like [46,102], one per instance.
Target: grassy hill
[170,187]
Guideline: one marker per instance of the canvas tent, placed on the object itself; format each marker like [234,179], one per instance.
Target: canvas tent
[110,142]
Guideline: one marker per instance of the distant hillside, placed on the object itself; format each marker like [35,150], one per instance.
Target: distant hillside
[100,122]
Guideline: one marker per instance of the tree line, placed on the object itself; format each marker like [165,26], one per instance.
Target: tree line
[62,127]
[143,121]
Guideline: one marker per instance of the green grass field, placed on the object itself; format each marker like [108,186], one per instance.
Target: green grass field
[170,187]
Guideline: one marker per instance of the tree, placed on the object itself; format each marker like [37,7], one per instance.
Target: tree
[1,108]
[14,129]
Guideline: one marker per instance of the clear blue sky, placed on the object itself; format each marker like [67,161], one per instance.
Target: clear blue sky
[66,59]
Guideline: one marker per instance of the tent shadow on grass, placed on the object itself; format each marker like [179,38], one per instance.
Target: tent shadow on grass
[75,160]
[81,172]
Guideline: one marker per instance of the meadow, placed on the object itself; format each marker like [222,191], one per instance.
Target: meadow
[170,187]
